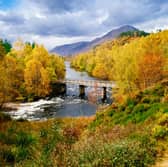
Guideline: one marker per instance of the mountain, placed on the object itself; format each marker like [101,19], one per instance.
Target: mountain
[75,48]
[71,49]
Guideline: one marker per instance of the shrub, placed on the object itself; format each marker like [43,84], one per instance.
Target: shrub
[160,132]
[4,117]
[24,140]
[7,156]
[16,144]
[163,120]
[140,108]
[146,100]
[129,109]
[111,113]
[130,102]
[131,153]
[71,134]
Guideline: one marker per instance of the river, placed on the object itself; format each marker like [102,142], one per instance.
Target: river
[68,106]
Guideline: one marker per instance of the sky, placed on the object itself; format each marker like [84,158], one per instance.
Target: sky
[57,22]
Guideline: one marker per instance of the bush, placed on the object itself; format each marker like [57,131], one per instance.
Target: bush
[140,108]
[4,117]
[24,140]
[130,153]
[130,102]
[6,156]
[129,109]
[16,145]
[163,120]
[111,113]
[160,132]
[146,100]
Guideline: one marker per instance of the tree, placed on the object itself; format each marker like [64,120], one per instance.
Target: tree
[6,45]
[100,71]
[136,33]
[150,70]
[41,54]
[11,79]
[4,86]
[2,51]
[58,66]
[36,79]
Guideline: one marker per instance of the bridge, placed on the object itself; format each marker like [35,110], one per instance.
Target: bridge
[87,83]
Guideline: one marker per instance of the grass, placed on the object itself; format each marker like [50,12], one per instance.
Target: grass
[131,134]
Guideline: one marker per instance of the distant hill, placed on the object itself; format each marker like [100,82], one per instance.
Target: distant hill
[75,48]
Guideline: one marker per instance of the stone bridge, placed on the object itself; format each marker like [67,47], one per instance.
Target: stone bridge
[88,83]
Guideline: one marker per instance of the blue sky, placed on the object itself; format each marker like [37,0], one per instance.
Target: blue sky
[56,22]
[7,4]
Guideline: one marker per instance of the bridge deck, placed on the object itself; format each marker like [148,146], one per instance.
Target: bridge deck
[91,83]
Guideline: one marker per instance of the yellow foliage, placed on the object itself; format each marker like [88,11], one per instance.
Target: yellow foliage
[28,70]
[124,60]
[36,78]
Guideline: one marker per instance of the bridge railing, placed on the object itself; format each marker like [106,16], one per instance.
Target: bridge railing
[89,82]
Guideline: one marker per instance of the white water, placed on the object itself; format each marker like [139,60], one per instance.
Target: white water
[27,110]
[69,106]
[42,109]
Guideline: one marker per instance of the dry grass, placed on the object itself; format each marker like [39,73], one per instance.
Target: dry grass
[162,162]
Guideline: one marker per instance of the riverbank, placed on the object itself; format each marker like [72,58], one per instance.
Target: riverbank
[131,134]
[61,102]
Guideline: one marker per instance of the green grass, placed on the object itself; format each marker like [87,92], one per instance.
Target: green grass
[129,134]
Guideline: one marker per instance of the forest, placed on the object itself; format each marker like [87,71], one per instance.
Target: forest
[131,132]
[27,71]
[133,62]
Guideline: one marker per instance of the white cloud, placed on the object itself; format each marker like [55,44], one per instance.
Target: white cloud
[58,22]
[154,24]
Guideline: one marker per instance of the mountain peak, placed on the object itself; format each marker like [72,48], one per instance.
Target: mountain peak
[75,48]
[128,26]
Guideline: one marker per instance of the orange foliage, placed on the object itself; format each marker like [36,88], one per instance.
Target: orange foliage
[150,70]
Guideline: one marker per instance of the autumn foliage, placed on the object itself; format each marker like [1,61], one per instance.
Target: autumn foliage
[133,62]
[150,70]
[27,71]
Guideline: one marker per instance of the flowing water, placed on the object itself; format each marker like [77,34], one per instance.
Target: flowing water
[68,106]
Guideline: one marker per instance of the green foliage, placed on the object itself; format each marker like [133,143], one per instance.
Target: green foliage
[74,142]
[124,134]
[132,153]
[134,33]
[16,145]
[144,106]
[7,45]
[160,131]
[51,137]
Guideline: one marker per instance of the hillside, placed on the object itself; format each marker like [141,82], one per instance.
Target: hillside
[75,48]
[131,61]
[133,134]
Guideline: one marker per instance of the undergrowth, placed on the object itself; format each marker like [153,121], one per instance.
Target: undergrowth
[131,134]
